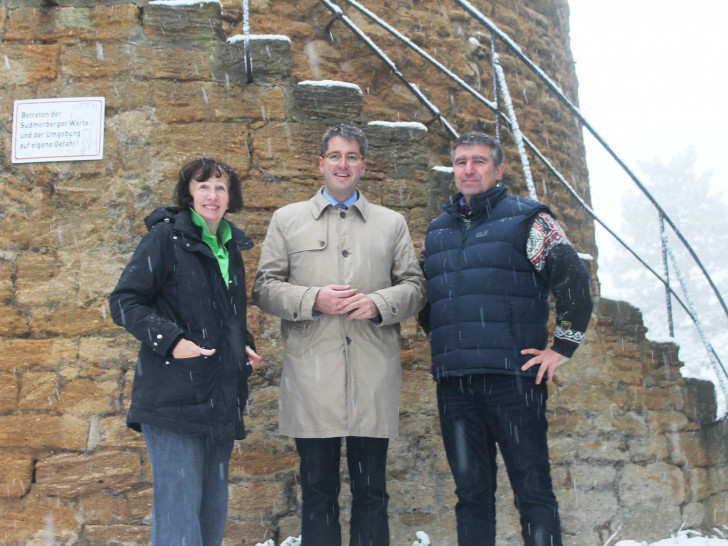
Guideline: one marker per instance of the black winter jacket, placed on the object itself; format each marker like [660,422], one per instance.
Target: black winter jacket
[173,288]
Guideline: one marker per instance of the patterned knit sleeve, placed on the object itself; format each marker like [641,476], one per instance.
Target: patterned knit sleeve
[556,260]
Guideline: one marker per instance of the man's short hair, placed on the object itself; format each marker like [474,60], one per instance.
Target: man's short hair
[347,132]
[478,139]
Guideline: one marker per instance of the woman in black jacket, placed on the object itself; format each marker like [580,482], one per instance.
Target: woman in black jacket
[183,296]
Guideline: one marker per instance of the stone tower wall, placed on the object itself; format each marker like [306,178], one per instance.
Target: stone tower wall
[634,449]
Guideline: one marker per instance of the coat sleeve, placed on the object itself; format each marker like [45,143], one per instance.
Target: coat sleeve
[407,294]
[271,290]
[132,301]
[556,260]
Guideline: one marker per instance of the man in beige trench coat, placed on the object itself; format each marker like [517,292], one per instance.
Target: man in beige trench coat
[341,273]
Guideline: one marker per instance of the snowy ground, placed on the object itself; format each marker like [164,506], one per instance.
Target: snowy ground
[683,538]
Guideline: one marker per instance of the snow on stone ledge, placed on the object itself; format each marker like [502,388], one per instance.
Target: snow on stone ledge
[173,3]
[241,38]
[331,83]
[443,169]
[587,257]
[406,124]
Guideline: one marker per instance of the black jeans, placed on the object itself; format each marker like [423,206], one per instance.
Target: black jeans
[476,412]
[320,486]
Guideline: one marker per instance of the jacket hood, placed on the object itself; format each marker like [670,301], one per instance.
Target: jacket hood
[162,214]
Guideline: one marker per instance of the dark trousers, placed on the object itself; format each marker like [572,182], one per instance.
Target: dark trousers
[320,486]
[190,481]
[476,413]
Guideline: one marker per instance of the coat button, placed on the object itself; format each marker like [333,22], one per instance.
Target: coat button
[295,315]
[159,336]
[342,214]
[322,243]
[345,253]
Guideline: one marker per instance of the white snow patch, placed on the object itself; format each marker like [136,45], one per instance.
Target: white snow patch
[683,538]
[407,124]
[587,257]
[473,40]
[331,83]
[241,38]
[443,169]
[184,2]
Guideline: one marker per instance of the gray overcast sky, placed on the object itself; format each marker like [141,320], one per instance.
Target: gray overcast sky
[652,80]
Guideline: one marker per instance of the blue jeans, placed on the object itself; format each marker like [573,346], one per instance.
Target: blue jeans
[320,487]
[190,487]
[476,413]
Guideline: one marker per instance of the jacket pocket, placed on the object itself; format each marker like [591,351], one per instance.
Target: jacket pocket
[298,336]
[186,381]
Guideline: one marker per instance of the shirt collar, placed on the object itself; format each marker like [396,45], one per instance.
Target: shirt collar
[349,202]
[223,230]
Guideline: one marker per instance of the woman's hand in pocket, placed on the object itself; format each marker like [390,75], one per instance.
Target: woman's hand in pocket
[253,358]
[187,349]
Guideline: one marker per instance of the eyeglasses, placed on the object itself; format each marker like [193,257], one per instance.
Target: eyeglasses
[334,158]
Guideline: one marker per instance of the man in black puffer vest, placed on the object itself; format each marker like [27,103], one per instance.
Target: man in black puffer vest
[491,260]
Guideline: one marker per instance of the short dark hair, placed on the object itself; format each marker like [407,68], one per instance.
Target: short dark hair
[478,139]
[347,132]
[202,169]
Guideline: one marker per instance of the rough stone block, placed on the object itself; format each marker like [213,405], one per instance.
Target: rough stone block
[86,396]
[8,392]
[104,509]
[183,25]
[583,510]
[39,431]
[647,524]
[650,448]
[33,515]
[140,503]
[12,322]
[38,392]
[270,60]
[71,475]
[658,484]
[30,65]
[700,397]
[16,474]
[716,510]
[259,499]
[117,534]
[328,100]
[586,397]
[21,354]
[606,450]
[262,455]
[693,516]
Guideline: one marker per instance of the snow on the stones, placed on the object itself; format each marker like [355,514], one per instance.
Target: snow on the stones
[406,124]
[241,38]
[331,83]
[173,3]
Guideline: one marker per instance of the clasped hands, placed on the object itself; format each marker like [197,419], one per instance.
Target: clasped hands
[340,299]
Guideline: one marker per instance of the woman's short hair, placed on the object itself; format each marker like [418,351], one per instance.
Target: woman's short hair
[202,169]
